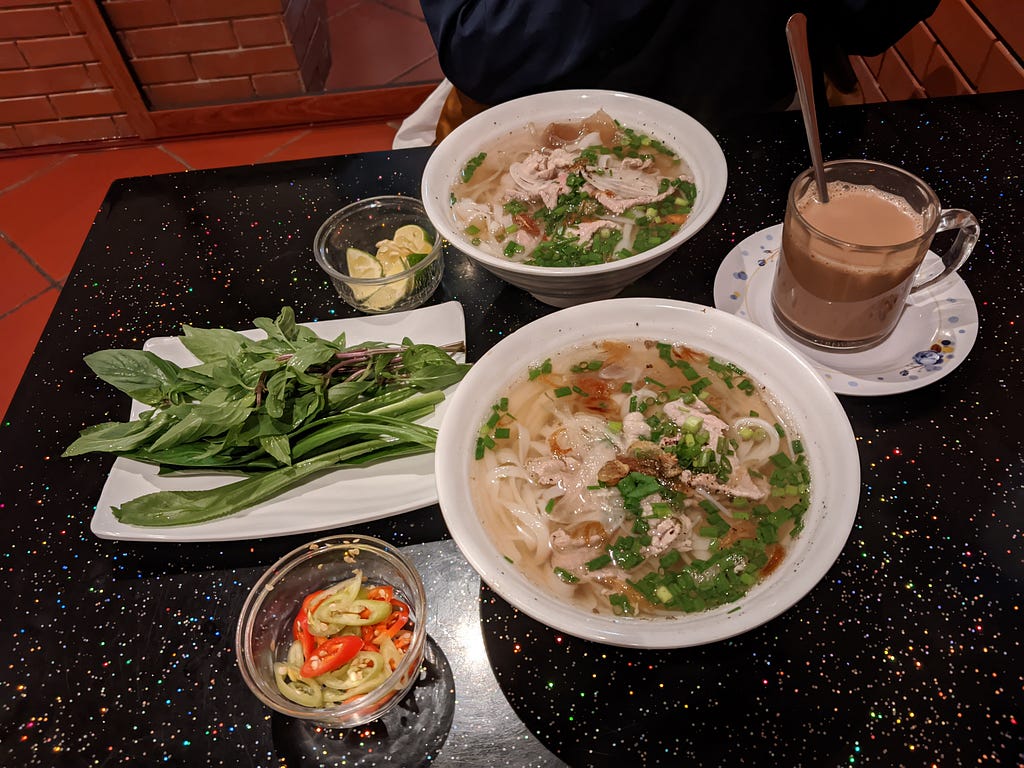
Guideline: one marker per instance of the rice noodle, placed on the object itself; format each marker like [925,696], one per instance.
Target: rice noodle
[523,514]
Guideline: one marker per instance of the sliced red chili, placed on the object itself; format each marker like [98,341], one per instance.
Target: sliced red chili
[300,627]
[394,623]
[385,593]
[331,655]
[403,639]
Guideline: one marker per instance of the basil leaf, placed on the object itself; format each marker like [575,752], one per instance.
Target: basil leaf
[201,421]
[116,437]
[141,375]
[213,345]
[346,393]
[312,353]
[278,447]
[438,376]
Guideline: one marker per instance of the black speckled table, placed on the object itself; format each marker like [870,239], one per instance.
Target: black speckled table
[908,653]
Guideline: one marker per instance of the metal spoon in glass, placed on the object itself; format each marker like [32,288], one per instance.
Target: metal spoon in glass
[796,35]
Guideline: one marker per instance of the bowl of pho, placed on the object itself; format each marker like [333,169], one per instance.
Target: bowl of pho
[574,195]
[647,473]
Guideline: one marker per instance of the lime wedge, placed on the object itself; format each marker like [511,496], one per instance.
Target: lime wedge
[364,266]
[388,296]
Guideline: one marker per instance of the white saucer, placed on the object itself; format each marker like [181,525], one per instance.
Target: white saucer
[935,334]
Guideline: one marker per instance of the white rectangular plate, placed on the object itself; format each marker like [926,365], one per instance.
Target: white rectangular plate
[342,497]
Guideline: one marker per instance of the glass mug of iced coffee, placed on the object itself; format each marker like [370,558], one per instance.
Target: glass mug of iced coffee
[847,266]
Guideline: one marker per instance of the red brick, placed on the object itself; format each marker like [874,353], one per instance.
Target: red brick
[9,138]
[187,38]
[897,81]
[10,57]
[964,35]
[164,69]
[1004,16]
[204,10]
[266,30]
[916,47]
[1001,72]
[32,82]
[245,61]
[278,84]
[51,51]
[131,14]
[30,109]
[61,131]
[86,104]
[943,78]
[23,23]
[198,93]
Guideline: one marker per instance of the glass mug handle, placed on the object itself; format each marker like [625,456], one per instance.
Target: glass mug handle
[966,237]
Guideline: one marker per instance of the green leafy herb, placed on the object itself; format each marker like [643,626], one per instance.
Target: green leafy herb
[279,410]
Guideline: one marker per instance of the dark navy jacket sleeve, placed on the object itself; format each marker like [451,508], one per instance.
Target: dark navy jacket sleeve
[494,50]
[715,59]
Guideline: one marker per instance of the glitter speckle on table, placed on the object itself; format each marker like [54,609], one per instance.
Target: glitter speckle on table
[908,653]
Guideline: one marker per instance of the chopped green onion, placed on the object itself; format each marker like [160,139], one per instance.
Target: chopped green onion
[565,576]
[599,562]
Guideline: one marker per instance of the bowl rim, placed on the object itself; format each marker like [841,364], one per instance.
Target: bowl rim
[379,201]
[461,144]
[829,520]
[281,568]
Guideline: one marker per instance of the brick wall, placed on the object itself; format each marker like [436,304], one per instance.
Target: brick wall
[966,46]
[184,53]
[52,88]
[195,52]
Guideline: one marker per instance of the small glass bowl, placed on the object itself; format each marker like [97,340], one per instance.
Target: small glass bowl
[264,631]
[362,225]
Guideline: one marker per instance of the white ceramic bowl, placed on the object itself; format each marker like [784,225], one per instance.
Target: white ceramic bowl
[565,286]
[809,404]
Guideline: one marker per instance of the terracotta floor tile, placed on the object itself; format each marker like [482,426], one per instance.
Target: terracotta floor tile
[17,170]
[337,140]
[217,152]
[21,280]
[21,330]
[379,44]
[49,216]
